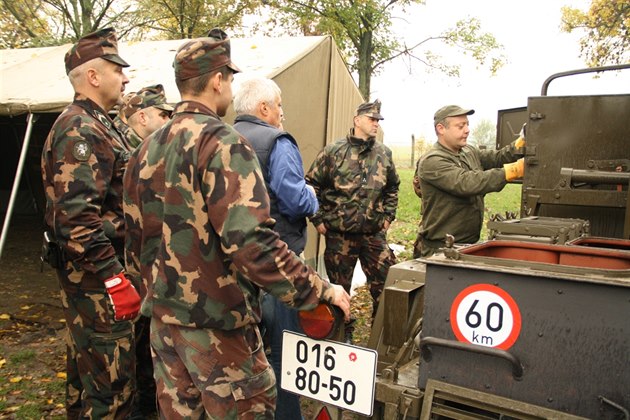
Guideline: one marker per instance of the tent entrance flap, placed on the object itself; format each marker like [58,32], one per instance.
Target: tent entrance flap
[30,120]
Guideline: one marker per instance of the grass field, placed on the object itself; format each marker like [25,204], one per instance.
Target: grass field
[405,227]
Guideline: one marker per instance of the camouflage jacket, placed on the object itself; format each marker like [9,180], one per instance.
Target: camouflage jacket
[453,188]
[199,229]
[83,161]
[356,185]
[131,138]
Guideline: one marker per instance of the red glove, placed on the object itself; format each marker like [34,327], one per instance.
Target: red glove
[125,299]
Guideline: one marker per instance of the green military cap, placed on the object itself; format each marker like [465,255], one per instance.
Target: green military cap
[371,109]
[203,55]
[144,98]
[450,111]
[101,43]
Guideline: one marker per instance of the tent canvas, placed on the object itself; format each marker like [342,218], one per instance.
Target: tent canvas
[318,93]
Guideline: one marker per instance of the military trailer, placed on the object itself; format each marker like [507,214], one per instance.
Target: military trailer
[534,323]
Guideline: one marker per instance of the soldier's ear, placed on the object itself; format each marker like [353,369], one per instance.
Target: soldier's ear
[93,77]
[215,82]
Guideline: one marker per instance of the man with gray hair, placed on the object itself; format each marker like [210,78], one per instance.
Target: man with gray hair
[258,105]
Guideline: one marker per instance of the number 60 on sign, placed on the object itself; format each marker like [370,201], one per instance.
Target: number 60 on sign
[486,315]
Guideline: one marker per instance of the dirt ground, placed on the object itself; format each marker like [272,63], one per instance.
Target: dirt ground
[32,348]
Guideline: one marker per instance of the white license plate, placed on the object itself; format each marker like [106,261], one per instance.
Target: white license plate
[339,374]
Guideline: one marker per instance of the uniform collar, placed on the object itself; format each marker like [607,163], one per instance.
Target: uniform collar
[93,109]
[357,141]
[193,107]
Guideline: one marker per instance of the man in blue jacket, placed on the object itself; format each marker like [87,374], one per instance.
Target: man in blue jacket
[258,105]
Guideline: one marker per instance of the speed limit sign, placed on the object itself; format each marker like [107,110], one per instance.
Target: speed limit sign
[486,315]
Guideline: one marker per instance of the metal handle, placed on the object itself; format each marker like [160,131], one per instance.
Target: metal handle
[545,86]
[425,349]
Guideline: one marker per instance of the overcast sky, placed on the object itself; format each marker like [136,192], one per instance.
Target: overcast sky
[534,46]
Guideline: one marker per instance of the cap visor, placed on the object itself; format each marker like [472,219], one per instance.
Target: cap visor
[116,59]
[165,107]
[234,68]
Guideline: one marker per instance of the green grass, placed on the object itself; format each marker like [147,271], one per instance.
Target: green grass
[405,228]
[28,390]
[22,356]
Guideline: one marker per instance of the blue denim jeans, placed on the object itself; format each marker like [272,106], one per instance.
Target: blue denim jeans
[277,317]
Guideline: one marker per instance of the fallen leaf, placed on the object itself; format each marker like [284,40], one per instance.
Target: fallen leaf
[15,379]
[25,307]
[3,362]
[5,316]
[62,375]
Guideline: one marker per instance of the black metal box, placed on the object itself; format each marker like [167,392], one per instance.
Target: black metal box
[544,324]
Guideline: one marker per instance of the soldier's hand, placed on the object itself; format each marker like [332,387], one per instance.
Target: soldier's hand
[386,225]
[321,229]
[124,297]
[514,170]
[342,300]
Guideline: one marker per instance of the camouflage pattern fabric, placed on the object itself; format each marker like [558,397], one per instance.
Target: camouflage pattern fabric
[199,233]
[453,187]
[227,370]
[83,161]
[100,360]
[342,252]
[130,137]
[144,98]
[370,109]
[203,55]
[356,185]
[100,44]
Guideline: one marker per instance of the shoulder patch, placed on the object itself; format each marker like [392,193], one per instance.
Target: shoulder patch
[81,150]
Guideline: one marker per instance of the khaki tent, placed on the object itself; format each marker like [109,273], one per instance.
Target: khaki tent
[318,95]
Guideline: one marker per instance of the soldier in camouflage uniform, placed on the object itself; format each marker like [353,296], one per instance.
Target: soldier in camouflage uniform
[453,177]
[357,187]
[141,113]
[199,230]
[83,161]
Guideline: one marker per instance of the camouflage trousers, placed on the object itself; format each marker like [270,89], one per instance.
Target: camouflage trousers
[100,351]
[210,373]
[372,250]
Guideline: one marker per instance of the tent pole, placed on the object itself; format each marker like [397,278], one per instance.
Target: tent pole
[16,181]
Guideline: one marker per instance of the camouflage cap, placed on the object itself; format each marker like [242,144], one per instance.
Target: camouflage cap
[101,43]
[450,111]
[144,98]
[371,109]
[203,55]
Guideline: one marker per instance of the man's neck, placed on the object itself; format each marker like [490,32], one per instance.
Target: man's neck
[360,136]
[93,96]
[452,149]
[202,99]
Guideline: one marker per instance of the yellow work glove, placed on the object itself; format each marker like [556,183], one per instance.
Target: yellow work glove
[514,170]
[520,141]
